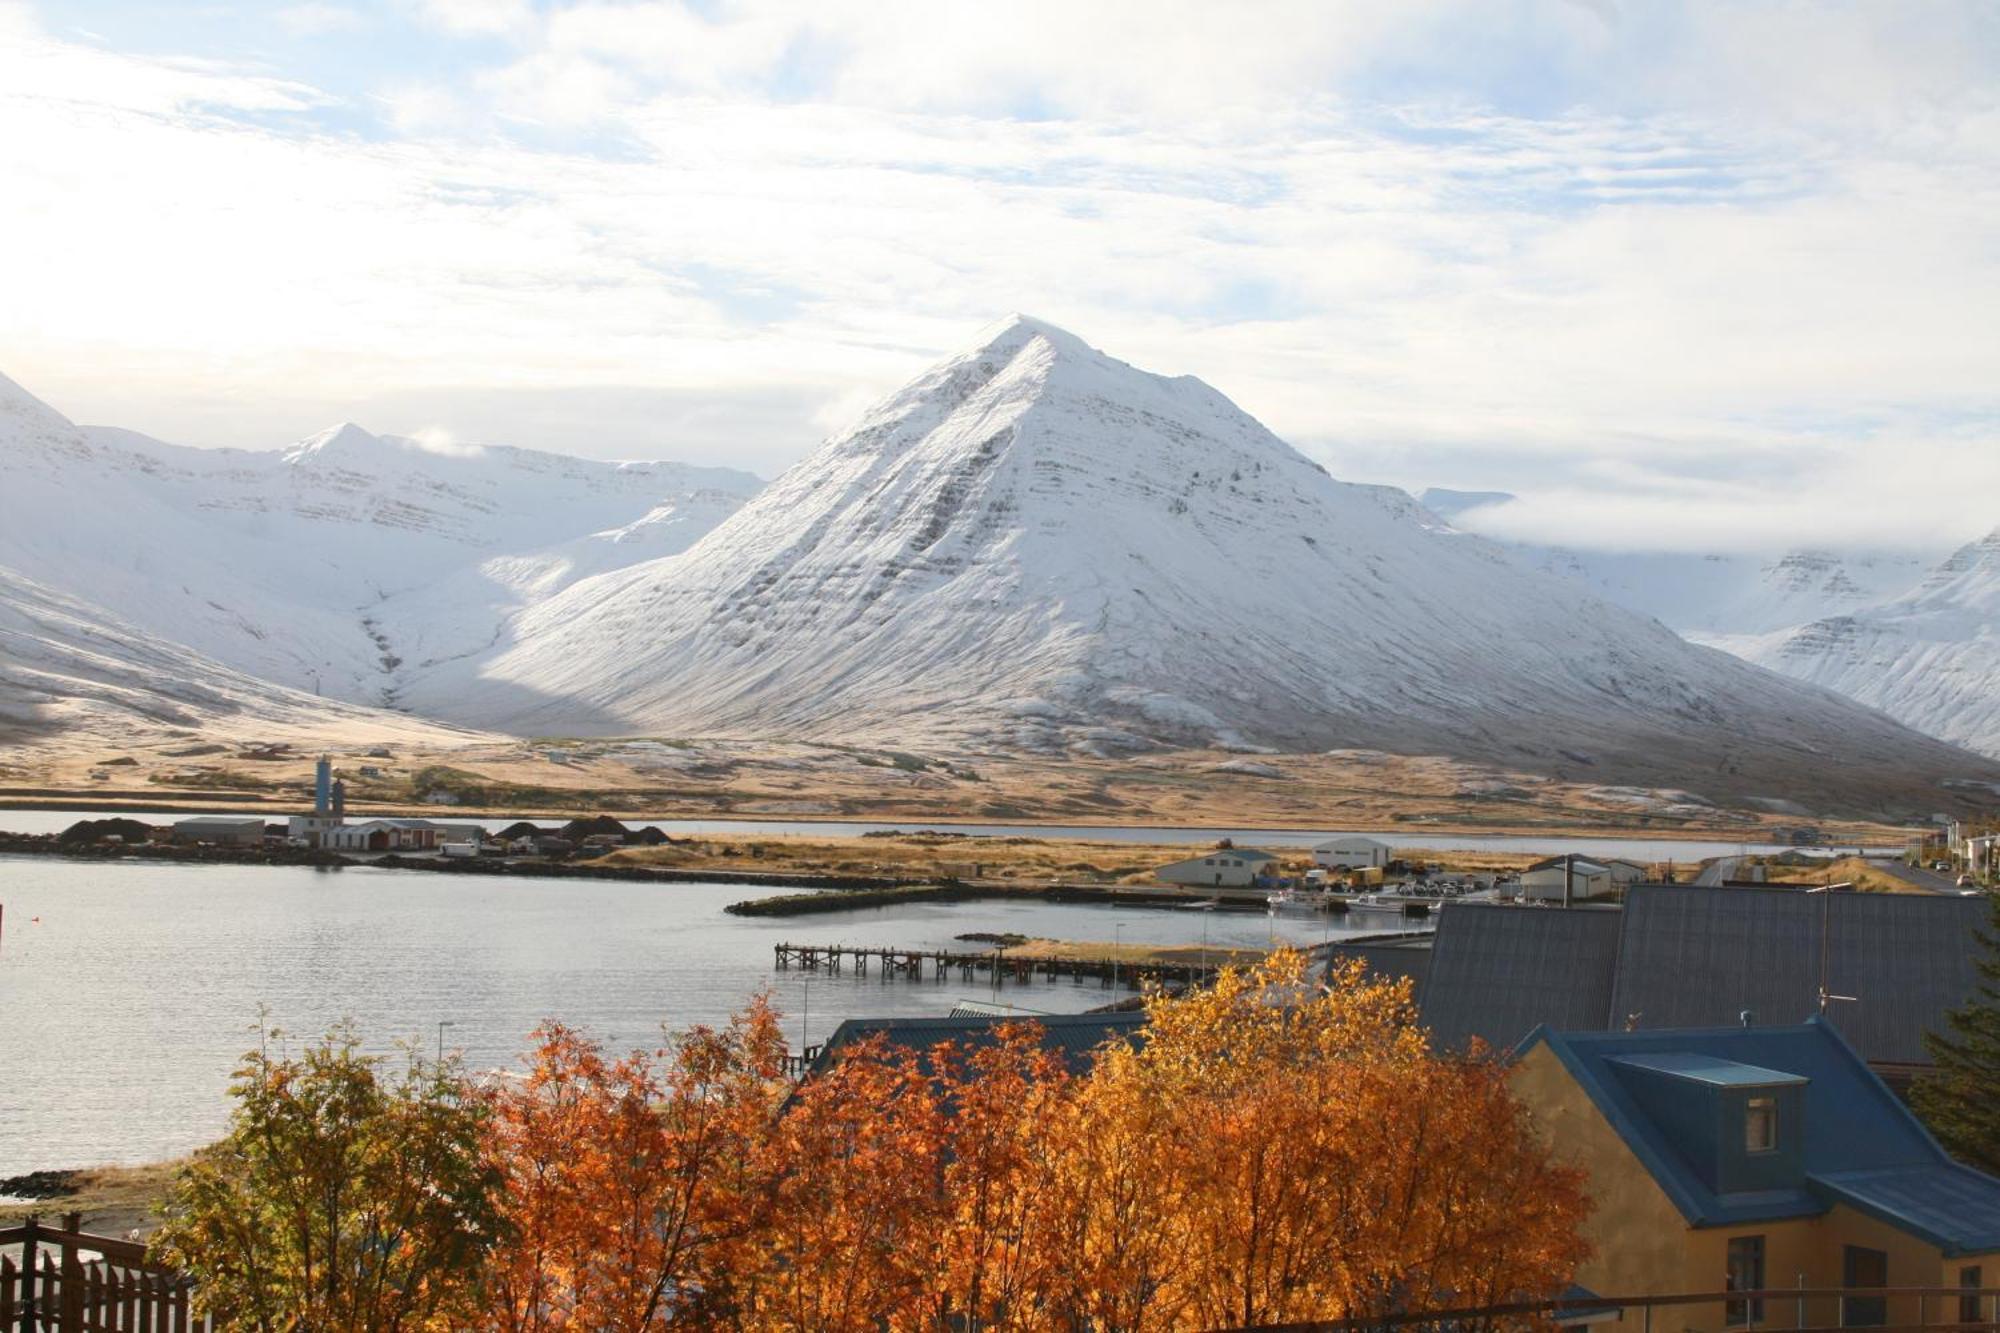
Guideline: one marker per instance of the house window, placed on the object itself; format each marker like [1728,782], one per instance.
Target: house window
[1746,1273]
[1968,1306]
[1760,1125]
[1864,1269]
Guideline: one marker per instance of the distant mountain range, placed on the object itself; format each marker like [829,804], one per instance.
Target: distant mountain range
[1032,547]
[1917,637]
[343,565]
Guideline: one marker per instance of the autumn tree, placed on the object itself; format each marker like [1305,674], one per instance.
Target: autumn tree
[1312,1159]
[345,1198]
[624,1180]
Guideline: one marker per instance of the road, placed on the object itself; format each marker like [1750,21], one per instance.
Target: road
[1928,880]
[1718,870]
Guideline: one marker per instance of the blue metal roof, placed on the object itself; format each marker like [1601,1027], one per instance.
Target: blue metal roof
[1862,1146]
[1707,1069]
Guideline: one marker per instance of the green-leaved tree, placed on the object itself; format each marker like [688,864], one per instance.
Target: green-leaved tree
[1961,1100]
[345,1198]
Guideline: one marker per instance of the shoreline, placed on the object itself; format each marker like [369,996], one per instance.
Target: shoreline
[97,802]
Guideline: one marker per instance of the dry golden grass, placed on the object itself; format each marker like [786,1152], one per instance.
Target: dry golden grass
[1847,870]
[114,1200]
[1349,790]
[928,855]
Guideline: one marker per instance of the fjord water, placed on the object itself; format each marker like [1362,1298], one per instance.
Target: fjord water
[129,990]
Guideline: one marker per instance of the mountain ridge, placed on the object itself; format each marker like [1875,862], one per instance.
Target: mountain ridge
[1035,546]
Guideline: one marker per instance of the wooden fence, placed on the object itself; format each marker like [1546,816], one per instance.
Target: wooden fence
[69,1281]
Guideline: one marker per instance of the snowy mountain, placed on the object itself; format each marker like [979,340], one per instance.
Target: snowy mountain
[1034,546]
[1711,597]
[71,671]
[345,564]
[1930,658]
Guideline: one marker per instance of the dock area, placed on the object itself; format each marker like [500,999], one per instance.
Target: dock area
[994,964]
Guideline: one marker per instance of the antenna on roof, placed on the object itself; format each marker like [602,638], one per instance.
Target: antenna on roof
[1825,943]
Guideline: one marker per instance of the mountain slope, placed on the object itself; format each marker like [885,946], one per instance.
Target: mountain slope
[71,672]
[345,564]
[1034,546]
[1930,658]
[1711,597]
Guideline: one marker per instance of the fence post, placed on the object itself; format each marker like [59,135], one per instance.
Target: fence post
[71,1307]
[31,1230]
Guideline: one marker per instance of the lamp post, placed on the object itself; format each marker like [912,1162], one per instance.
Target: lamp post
[443,1023]
[1117,941]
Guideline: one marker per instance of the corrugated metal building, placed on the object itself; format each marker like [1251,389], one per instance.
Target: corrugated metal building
[1681,956]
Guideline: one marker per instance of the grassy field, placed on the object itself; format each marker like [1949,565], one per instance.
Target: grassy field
[1847,870]
[944,855]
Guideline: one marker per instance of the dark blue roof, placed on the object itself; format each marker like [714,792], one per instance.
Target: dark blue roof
[1497,972]
[1075,1037]
[1683,956]
[1861,1146]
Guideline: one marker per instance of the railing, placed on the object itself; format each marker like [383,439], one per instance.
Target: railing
[1733,1311]
[70,1281]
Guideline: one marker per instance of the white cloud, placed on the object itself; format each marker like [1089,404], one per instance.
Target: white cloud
[439,440]
[313,19]
[504,17]
[1676,283]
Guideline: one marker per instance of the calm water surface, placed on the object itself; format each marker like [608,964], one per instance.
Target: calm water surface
[1639,849]
[128,991]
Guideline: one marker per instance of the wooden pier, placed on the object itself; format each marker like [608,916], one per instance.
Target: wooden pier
[995,965]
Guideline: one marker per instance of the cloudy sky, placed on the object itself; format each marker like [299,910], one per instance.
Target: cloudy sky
[1680,275]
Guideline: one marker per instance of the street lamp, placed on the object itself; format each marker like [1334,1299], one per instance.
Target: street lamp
[1117,942]
[443,1023]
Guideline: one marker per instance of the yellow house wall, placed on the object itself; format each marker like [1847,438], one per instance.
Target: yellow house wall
[1637,1235]
[1643,1246]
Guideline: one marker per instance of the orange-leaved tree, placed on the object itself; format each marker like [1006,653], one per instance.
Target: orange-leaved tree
[1313,1159]
[844,1234]
[625,1181]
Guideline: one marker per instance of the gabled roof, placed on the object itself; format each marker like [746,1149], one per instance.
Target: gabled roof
[1861,1147]
[1698,957]
[1345,840]
[1683,956]
[1240,853]
[1075,1037]
[1496,972]
[1582,864]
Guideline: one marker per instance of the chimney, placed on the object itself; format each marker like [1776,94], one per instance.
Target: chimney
[322,777]
[340,802]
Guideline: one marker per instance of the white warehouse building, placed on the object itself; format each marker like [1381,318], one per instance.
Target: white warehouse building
[1226,868]
[1352,852]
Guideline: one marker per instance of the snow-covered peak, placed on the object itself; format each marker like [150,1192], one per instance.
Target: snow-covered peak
[21,410]
[344,443]
[1035,545]
[1971,573]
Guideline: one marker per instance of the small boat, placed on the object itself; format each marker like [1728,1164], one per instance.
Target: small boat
[1289,899]
[1379,904]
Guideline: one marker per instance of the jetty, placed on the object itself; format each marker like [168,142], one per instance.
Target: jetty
[994,964]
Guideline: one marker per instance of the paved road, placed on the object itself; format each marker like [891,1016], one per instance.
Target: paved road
[1721,868]
[1928,880]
